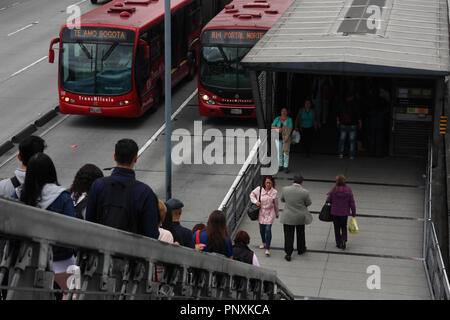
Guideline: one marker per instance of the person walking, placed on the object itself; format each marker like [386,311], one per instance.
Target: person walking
[348,121]
[41,189]
[295,216]
[342,203]
[305,122]
[215,238]
[81,184]
[120,201]
[268,210]
[283,124]
[241,250]
[28,147]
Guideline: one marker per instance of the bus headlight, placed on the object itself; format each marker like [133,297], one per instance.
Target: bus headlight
[124,103]
[66,99]
[205,97]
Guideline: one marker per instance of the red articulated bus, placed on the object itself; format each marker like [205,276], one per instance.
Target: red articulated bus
[224,88]
[113,64]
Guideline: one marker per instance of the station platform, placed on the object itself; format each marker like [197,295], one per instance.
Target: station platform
[389,196]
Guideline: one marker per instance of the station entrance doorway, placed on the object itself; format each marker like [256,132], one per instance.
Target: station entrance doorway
[396,113]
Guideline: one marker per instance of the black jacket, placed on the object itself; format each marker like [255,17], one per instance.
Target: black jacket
[183,234]
[348,113]
[144,201]
[243,253]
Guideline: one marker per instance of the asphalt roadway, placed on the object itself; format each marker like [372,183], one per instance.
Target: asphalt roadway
[75,140]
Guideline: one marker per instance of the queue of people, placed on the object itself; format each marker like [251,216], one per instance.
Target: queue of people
[122,202]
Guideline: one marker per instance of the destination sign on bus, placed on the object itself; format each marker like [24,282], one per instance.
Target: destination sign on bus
[97,34]
[232,36]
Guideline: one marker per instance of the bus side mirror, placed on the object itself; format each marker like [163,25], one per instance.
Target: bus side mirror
[194,44]
[51,52]
[146,48]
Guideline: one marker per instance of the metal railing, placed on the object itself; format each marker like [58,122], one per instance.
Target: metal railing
[237,200]
[114,264]
[434,264]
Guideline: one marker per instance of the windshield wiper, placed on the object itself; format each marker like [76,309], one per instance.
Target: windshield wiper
[85,50]
[223,54]
[110,50]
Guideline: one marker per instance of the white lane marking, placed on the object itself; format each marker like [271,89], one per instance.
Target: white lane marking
[55,125]
[75,4]
[26,27]
[160,130]
[41,135]
[29,66]
[4,8]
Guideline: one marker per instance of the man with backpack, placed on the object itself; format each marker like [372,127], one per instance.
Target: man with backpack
[120,201]
[28,147]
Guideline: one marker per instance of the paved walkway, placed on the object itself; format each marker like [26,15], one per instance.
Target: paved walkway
[389,197]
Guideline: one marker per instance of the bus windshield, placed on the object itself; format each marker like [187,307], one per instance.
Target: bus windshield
[97,68]
[221,67]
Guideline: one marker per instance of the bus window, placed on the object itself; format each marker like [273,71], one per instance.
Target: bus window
[97,68]
[156,41]
[193,16]
[177,34]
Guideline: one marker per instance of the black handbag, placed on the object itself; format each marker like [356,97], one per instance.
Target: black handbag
[253,210]
[325,213]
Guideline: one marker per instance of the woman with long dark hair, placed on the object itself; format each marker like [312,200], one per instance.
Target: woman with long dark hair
[215,238]
[342,202]
[266,197]
[41,189]
[82,182]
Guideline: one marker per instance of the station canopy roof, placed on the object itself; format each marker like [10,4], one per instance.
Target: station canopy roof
[368,37]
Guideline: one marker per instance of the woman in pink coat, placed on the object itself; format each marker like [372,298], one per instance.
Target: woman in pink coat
[268,211]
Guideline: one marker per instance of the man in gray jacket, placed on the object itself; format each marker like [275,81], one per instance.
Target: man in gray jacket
[295,216]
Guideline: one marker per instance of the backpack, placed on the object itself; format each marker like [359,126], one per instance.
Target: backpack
[115,207]
[15,182]
[80,207]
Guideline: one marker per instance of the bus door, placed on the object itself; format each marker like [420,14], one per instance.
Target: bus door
[143,85]
[179,47]
[156,56]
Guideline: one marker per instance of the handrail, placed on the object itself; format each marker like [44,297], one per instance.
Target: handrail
[189,272]
[237,200]
[433,262]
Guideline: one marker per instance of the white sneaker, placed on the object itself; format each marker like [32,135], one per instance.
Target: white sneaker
[341,156]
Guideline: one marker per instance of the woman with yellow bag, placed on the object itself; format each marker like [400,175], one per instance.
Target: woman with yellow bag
[342,202]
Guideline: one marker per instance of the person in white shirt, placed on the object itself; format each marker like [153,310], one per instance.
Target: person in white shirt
[27,148]
[164,235]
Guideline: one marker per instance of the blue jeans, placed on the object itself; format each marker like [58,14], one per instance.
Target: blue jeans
[266,234]
[349,130]
[283,158]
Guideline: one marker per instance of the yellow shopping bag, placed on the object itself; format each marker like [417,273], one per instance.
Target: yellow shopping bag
[353,226]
